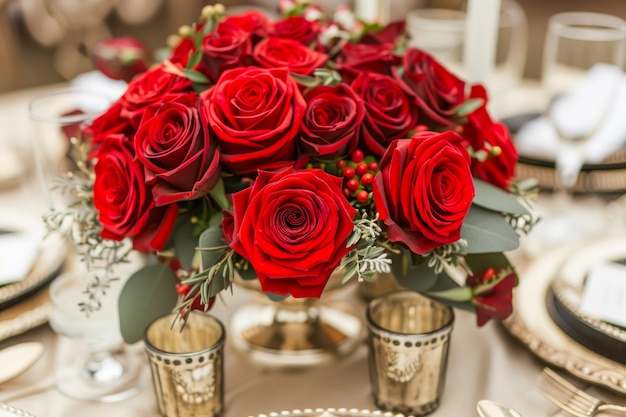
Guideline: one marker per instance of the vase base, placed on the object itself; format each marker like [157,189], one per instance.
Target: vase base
[278,336]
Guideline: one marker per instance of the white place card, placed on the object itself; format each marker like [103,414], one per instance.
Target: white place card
[604,294]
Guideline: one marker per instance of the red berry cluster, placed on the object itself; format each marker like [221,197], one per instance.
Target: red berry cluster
[358,174]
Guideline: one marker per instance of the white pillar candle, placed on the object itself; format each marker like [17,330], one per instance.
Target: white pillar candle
[480,39]
[372,10]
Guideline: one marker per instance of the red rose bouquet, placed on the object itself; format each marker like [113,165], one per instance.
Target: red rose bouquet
[281,151]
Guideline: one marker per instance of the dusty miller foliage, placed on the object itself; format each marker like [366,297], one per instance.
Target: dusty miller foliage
[78,222]
[366,258]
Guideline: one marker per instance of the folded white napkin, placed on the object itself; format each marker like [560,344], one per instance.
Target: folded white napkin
[18,252]
[595,106]
[96,81]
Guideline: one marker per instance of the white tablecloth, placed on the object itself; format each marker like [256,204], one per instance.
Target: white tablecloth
[485,363]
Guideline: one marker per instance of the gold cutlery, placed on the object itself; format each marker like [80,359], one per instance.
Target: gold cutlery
[488,408]
[18,358]
[570,398]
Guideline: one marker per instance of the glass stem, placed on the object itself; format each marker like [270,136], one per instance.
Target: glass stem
[102,367]
[569,162]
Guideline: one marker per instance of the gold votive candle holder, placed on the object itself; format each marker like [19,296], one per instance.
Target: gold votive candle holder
[187,364]
[408,342]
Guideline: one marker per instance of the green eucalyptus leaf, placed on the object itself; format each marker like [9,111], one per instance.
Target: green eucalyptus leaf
[276,297]
[147,295]
[216,219]
[305,80]
[195,76]
[185,242]
[468,107]
[209,242]
[416,277]
[493,198]
[487,231]
[248,273]
[219,195]
[480,262]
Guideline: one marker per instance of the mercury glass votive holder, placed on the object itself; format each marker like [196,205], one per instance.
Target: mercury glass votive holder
[187,365]
[408,341]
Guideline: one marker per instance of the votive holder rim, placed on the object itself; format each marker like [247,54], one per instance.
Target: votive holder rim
[380,330]
[219,343]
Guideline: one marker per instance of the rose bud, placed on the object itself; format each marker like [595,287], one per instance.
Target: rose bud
[121,58]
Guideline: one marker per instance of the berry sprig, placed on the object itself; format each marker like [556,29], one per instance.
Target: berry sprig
[358,173]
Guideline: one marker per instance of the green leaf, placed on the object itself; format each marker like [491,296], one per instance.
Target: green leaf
[411,275]
[185,242]
[219,195]
[276,297]
[493,198]
[468,107]
[233,183]
[305,80]
[194,59]
[211,238]
[195,76]
[248,273]
[218,283]
[147,295]
[480,262]
[197,43]
[487,231]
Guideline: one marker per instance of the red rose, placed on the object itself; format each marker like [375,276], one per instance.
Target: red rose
[357,58]
[121,58]
[389,113]
[181,161]
[149,88]
[436,90]
[330,128]
[292,226]
[278,52]
[424,190]
[492,301]
[225,48]
[389,34]
[297,28]
[484,134]
[124,203]
[255,114]
[253,22]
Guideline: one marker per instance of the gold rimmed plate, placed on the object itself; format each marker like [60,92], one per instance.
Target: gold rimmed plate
[567,289]
[7,410]
[532,324]
[50,259]
[330,412]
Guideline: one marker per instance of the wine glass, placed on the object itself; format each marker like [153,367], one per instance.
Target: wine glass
[583,58]
[58,119]
[106,373]
[441,32]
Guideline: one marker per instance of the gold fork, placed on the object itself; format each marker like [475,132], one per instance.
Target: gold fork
[572,399]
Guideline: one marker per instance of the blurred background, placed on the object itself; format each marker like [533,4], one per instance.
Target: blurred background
[47,41]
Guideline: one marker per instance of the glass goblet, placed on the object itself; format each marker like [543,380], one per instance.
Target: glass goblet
[584,55]
[58,121]
[441,32]
[106,374]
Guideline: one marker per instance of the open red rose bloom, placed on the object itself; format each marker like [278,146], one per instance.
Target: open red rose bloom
[316,142]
